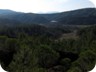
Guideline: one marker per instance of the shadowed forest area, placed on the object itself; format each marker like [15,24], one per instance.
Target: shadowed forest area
[25,49]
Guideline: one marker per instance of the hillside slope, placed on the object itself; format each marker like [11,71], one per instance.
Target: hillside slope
[85,16]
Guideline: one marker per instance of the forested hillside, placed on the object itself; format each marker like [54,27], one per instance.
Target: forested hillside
[38,49]
[58,42]
[84,16]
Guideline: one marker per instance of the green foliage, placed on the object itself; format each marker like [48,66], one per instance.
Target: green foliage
[25,58]
[74,69]
[86,61]
[2,41]
[66,62]
[24,52]
[11,45]
[47,56]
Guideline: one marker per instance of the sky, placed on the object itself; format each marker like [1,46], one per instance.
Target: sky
[44,6]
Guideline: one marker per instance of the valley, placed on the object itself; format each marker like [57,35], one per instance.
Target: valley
[57,42]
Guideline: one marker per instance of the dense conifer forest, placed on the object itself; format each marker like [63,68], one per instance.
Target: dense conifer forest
[28,49]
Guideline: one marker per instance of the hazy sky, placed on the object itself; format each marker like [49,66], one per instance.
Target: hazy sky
[44,5]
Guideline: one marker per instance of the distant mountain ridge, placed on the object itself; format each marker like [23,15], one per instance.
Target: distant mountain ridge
[84,16]
[6,11]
